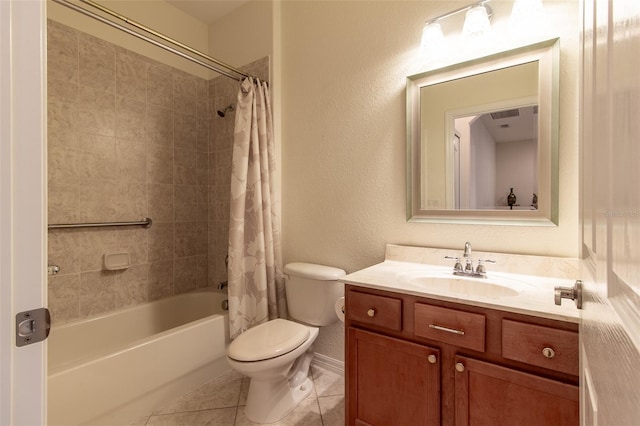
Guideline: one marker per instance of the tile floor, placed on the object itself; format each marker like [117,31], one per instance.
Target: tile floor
[221,402]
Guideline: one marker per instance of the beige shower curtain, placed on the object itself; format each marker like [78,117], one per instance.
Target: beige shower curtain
[256,286]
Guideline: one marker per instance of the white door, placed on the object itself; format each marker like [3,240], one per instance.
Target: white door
[610,267]
[22,206]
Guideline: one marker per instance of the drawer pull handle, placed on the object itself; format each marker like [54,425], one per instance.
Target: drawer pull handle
[432,359]
[447,329]
[371,312]
[548,353]
[459,367]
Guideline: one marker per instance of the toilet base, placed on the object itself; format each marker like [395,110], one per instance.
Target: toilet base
[269,402]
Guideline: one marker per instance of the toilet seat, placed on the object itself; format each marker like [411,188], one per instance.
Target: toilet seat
[268,340]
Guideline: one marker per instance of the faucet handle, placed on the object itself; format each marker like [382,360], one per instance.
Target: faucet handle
[481,269]
[458,266]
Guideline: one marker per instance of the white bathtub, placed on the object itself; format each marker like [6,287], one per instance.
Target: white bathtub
[117,367]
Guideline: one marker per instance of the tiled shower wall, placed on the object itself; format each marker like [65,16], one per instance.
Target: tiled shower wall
[128,137]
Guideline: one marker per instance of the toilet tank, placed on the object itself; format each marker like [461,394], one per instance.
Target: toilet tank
[312,292]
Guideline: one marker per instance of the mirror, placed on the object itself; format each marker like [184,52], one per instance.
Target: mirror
[477,129]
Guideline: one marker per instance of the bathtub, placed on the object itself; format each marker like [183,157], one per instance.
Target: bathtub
[117,367]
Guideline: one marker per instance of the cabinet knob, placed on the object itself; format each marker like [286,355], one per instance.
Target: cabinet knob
[371,312]
[432,359]
[459,367]
[548,353]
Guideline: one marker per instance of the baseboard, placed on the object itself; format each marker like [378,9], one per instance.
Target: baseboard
[328,363]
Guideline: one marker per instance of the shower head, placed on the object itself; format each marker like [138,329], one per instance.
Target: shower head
[222,113]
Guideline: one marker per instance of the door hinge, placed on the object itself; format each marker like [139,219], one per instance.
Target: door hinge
[32,326]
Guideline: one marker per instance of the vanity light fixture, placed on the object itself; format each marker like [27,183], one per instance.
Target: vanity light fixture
[476,26]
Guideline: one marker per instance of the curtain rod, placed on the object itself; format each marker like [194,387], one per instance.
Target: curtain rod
[218,66]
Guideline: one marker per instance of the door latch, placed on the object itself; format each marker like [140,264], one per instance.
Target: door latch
[574,293]
[32,326]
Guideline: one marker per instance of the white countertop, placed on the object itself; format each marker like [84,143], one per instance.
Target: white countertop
[533,295]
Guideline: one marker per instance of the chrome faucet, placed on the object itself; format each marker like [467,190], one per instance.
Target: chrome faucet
[469,270]
[468,267]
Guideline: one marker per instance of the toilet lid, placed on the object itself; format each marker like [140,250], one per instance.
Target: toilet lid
[268,340]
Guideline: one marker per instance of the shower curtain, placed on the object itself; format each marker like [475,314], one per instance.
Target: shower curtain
[256,286]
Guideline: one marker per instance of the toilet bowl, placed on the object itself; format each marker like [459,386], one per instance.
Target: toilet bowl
[276,355]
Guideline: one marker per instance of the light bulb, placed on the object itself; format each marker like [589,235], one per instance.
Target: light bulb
[432,45]
[476,23]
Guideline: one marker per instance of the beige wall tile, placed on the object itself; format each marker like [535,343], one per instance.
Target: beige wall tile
[184,92]
[132,201]
[132,286]
[96,111]
[159,164]
[97,292]
[202,169]
[161,242]
[98,201]
[131,158]
[62,52]
[130,118]
[94,243]
[185,273]
[131,75]
[64,164]
[62,125]
[161,207]
[65,249]
[186,132]
[59,90]
[97,63]
[184,167]
[202,271]
[159,126]
[97,159]
[219,205]
[160,279]
[202,133]
[186,239]
[64,297]
[160,85]
[133,240]
[202,242]
[185,203]
[63,202]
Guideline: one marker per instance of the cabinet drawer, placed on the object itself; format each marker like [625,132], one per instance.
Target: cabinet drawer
[541,346]
[381,311]
[458,328]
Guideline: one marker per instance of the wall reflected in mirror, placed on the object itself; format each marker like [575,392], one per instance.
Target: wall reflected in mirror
[493,153]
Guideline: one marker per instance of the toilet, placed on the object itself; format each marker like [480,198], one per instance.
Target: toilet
[276,355]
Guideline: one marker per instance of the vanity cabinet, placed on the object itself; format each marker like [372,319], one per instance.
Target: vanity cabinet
[419,361]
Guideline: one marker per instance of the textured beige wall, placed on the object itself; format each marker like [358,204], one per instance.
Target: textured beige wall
[245,35]
[344,66]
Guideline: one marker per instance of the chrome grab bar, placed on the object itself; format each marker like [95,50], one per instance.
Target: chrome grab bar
[145,222]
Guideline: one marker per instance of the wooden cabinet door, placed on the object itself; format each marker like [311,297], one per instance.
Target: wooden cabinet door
[487,394]
[391,382]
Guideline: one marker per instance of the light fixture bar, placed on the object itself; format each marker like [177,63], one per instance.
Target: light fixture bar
[462,9]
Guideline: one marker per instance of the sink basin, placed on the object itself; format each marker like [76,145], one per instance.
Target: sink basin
[461,286]
[446,283]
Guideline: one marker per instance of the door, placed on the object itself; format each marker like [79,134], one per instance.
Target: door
[22,206]
[392,382]
[488,394]
[610,212]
